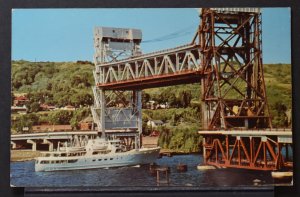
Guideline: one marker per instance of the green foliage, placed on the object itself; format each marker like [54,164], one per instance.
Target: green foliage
[54,83]
[78,116]
[34,107]
[279,91]
[185,98]
[61,117]
[176,96]
[23,121]
[280,120]
[180,131]
[179,139]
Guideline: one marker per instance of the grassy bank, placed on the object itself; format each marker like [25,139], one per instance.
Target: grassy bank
[23,155]
[178,152]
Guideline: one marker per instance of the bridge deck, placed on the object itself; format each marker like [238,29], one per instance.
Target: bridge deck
[180,65]
[281,132]
[189,76]
[67,134]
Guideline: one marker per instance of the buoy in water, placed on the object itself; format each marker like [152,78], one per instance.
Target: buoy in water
[181,167]
[152,168]
[164,170]
[205,167]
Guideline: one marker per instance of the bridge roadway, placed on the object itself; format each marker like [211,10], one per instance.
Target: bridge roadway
[162,68]
[52,138]
[284,135]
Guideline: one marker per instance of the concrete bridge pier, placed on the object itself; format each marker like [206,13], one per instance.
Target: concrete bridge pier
[14,144]
[33,144]
[45,141]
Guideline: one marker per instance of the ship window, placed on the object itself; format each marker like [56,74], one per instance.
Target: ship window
[72,161]
[105,159]
[99,159]
[45,162]
[94,159]
[111,158]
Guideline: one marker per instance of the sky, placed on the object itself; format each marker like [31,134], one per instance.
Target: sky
[67,34]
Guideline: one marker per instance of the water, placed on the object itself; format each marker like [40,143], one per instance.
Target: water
[23,175]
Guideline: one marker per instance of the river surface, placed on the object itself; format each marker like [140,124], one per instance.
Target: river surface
[23,175]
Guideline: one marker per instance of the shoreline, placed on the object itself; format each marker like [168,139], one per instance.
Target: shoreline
[174,152]
[23,155]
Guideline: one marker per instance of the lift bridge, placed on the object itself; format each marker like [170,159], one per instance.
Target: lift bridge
[225,59]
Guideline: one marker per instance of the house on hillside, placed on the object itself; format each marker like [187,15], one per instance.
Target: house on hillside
[155,123]
[20,100]
[47,128]
[68,107]
[87,124]
[46,107]
[19,109]
[154,105]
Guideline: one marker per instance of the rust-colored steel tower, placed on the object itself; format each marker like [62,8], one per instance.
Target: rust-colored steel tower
[234,103]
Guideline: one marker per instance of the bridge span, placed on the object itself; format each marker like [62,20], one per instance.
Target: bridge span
[51,139]
[161,68]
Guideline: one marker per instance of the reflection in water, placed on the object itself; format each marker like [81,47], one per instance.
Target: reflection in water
[23,175]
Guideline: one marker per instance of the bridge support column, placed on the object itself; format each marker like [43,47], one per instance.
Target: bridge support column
[45,141]
[138,103]
[33,144]
[14,144]
[204,149]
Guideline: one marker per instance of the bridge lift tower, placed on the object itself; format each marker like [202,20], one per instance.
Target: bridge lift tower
[237,129]
[116,112]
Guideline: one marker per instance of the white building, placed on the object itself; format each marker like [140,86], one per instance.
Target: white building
[155,123]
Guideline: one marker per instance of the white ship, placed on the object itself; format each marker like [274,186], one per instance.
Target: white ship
[98,153]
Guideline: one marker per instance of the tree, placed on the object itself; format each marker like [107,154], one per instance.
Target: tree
[145,99]
[185,98]
[82,99]
[78,116]
[24,121]
[280,119]
[34,107]
[177,140]
[172,100]
[61,117]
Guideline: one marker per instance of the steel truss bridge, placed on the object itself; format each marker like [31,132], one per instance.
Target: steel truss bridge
[225,59]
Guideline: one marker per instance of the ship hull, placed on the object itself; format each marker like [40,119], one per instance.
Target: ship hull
[130,158]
